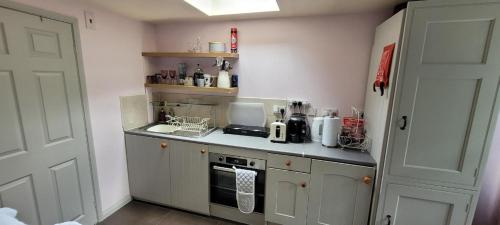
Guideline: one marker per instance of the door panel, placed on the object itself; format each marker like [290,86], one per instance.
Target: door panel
[3,41]
[44,120]
[19,194]
[447,87]
[57,122]
[68,191]
[415,206]
[339,194]
[11,133]
[190,176]
[286,198]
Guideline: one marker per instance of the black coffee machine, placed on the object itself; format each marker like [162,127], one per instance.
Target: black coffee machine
[297,128]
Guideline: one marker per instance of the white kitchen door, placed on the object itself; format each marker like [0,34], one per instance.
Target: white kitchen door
[44,160]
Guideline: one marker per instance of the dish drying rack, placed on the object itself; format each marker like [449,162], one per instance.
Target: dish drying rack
[189,124]
[190,119]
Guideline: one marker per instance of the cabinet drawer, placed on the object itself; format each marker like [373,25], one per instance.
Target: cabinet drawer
[289,163]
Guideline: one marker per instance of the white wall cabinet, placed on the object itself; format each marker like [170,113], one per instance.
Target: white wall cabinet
[148,161]
[410,205]
[340,194]
[190,176]
[287,194]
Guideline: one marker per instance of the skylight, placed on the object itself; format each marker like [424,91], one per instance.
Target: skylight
[228,7]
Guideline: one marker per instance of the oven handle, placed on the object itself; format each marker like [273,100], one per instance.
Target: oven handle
[224,169]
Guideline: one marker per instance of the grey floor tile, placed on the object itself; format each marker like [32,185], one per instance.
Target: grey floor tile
[183,218]
[137,213]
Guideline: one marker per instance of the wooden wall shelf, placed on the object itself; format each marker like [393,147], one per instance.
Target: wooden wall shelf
[194,90]
[190,55]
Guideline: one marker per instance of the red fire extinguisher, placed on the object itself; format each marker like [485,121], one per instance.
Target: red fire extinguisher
[234,40]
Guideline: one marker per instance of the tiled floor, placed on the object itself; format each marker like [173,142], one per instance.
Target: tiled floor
[141,213]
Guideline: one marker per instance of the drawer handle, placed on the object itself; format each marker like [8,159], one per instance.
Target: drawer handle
[288,163]
[203,151]
[163,145]
[303,184]
[367,180]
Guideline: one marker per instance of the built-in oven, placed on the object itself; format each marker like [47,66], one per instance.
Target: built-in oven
[223,179]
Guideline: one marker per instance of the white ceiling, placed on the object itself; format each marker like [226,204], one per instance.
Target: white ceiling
[178,10]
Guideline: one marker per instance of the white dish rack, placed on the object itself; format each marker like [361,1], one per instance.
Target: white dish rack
[188,119]
[189,124]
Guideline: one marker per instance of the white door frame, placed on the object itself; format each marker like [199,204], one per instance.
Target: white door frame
[73,21]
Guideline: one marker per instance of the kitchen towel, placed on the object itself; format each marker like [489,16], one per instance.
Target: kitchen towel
[245,189]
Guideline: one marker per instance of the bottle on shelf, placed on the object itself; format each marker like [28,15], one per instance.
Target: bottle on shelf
[198,74]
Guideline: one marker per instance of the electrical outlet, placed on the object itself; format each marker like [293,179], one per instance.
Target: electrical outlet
[277,109]
[89,20]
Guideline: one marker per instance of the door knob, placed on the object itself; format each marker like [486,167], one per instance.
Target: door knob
[303,184]
[203,151]
[388,219]
[367,179]
[163,145]
[288,163]
[403,120]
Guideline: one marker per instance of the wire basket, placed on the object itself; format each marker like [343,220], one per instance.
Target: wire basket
[189,124]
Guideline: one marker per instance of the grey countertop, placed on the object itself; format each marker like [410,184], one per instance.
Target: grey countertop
[311,150]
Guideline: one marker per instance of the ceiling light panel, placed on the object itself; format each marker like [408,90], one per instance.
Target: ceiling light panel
[229,7]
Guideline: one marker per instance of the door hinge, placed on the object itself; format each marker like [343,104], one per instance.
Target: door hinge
[476,172]
[467,207]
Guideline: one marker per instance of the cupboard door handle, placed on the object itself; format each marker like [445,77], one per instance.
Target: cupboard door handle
[288,163]
[388,219]
[203,151]
[163,145]
[367,179]
[404,122]
[303,184]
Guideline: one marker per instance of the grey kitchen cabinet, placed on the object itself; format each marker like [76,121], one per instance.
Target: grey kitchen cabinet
[340,194]
[190,176]
[410,205]
[148,161]
[287,194]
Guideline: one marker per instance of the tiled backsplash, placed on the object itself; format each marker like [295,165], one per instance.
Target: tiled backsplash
[221,102]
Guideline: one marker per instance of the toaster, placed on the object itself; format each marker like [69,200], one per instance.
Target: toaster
[278,132]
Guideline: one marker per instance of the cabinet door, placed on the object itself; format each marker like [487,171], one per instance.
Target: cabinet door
[340,194]
[446,91]
[407,205]
[148,161]
[286,196]
[190,174]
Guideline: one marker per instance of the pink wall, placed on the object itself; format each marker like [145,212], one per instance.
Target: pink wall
[321,59]
[488,208]
[113,67]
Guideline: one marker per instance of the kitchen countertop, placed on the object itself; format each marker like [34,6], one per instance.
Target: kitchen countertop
[311,150]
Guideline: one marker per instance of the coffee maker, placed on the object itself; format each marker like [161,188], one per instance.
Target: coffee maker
[297,126]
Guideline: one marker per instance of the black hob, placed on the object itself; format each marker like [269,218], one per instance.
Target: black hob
[254,131]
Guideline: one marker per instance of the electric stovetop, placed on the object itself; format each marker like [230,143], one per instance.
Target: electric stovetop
[254,131]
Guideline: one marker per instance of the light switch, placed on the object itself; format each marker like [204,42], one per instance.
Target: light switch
[89,20]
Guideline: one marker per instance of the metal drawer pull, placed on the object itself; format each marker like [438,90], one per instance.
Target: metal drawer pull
[229,170]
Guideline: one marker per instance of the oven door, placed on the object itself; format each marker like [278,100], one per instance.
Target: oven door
[223,186]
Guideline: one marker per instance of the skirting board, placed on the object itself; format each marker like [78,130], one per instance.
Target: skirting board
[115,207]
